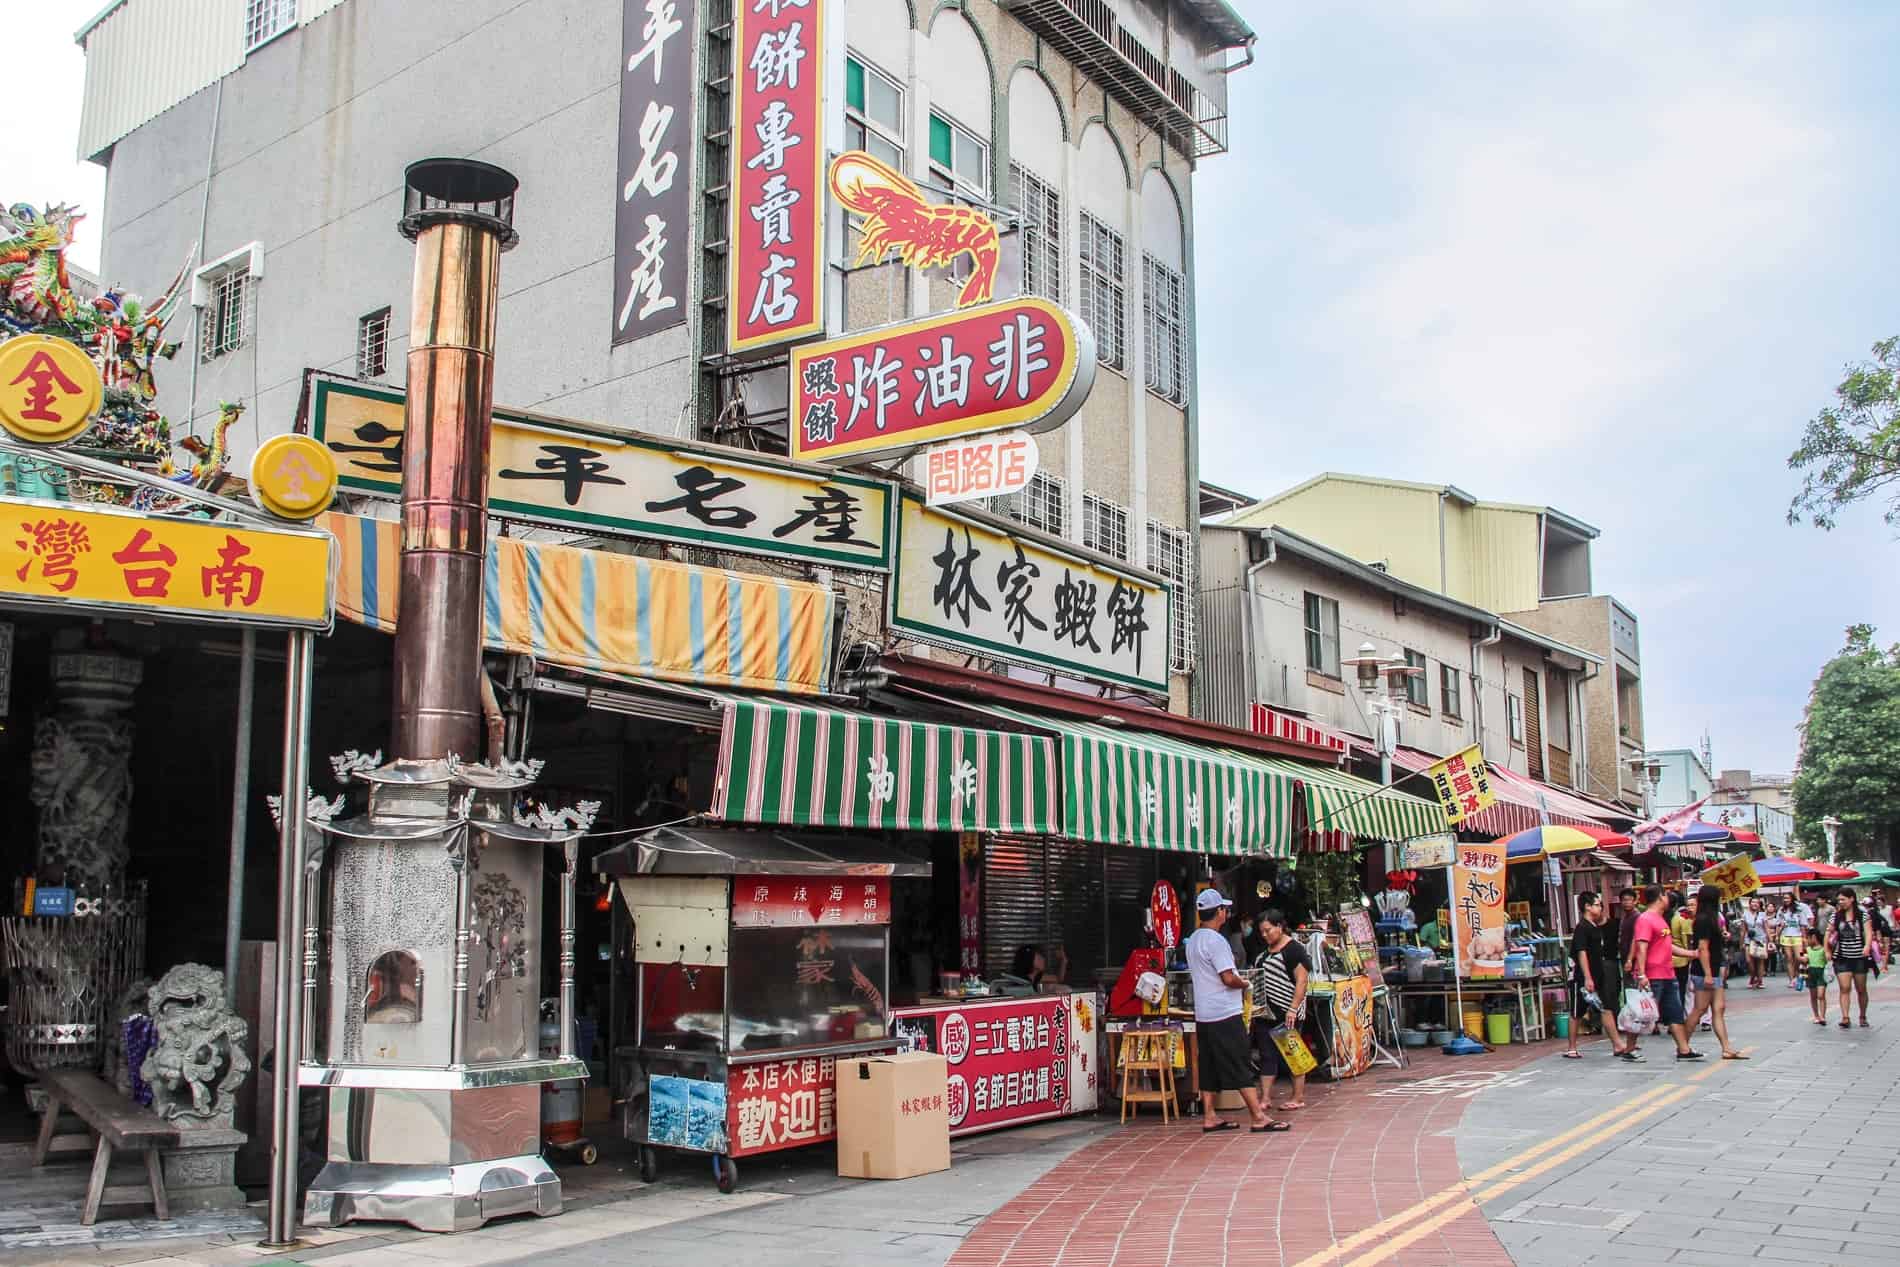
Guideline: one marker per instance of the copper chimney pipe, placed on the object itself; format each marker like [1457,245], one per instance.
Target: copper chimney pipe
[459,213]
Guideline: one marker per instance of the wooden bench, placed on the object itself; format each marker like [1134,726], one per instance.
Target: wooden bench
[115,1122]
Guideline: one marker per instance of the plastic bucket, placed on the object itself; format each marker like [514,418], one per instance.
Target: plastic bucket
[1497,1027]
[1562,1021]
[1474,1022]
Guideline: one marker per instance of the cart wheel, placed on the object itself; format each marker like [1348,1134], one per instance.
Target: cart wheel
[649,1163]
[587,1153]
[726,1172]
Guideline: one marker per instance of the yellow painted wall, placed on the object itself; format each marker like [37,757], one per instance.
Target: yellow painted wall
[1502,548]
[1367,522]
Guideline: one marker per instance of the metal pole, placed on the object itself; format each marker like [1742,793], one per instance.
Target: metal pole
[240,806]
[287,1027]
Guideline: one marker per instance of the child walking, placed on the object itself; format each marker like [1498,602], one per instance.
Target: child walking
[1817,976]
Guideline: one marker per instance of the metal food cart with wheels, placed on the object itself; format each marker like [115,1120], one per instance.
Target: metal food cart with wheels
[759,960]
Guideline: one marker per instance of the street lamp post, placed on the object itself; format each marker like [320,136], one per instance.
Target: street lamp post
[1832,826]
[1377,675]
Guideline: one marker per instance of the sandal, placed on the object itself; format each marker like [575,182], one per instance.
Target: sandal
[1573,1055]
[1225,1125]
[1291,1106]
[1271,1128]
[1863,1023]
[1845,1025]
[1735,1055]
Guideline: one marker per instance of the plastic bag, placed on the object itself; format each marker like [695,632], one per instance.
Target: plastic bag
[1293,1050]
[1639,1014]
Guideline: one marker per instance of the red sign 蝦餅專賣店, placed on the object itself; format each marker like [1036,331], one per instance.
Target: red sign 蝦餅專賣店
[1015,363]
[775,228]
[807,901]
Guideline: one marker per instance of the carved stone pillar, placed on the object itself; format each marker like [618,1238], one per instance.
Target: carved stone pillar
[82,778]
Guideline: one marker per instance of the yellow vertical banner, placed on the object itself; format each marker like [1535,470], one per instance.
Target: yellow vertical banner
[1477,891]
[1462,784]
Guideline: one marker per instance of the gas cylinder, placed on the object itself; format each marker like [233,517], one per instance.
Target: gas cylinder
[560,1101]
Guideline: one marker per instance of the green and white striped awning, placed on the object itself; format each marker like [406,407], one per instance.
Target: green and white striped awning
[1134,787]
[808,765]
[1340,808]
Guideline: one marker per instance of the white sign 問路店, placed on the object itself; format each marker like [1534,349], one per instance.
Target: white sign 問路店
[1011,593]
[979,466]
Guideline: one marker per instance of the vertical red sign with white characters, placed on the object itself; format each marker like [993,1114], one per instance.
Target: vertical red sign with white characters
[781,1104]
[775,231]
[780,901]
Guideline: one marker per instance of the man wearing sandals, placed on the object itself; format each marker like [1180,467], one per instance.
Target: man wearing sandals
[1226,1064]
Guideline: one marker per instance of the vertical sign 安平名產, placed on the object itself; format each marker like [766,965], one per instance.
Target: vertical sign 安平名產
[654,217]
[775,230]
[1477,891]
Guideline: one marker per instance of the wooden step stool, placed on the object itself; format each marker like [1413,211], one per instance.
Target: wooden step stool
[1144,1052]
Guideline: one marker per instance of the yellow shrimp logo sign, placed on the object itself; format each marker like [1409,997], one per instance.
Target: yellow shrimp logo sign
[924,234]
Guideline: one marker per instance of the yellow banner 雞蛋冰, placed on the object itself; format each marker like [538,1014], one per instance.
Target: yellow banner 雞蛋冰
[1462,784]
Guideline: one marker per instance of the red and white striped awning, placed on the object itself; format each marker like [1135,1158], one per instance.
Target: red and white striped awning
[1266,721]
[1517,807]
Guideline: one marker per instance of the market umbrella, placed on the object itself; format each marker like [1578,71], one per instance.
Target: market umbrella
[1541,842]
[1799,871]
[1827,876]
[1878,872]
[1697,833]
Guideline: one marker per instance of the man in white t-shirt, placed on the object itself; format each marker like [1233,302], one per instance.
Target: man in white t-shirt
[1226,1062]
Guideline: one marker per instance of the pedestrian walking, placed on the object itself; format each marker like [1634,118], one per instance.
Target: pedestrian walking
[1284,967]
[1852,942]
[1755,941]
[1681,928]
[1595,983]
[1653,953]
[1628,909]
[1708,970]
[1796,920]
[1814,954]
[1225,1063]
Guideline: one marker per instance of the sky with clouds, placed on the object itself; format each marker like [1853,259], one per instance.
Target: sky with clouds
[1602,256]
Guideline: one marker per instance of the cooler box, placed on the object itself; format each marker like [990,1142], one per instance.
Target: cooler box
[893,1116]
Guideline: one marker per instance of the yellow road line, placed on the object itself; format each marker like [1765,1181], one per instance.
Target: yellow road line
[1619,1119]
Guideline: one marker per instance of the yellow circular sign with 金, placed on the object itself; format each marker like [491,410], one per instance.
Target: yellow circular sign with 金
[293,477]
[49,389]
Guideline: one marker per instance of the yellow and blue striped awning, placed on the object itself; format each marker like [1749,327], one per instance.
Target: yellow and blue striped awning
[614,613]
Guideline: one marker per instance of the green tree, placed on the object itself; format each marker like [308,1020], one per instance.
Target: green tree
[1850,753]
[1851,449]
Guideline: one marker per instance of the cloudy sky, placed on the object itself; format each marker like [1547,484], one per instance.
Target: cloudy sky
[1601,256]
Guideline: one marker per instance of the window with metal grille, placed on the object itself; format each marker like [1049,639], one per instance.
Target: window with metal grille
[873,113]
[227,313]
[1040,505]
[1104,526]
[1417,690]
[1171,554]
[1322,635]
[1041,210]
[1164,329]
[372,344]
[1102,289]
[264,19]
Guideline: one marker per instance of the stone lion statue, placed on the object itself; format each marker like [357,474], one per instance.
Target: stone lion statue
[198,1061]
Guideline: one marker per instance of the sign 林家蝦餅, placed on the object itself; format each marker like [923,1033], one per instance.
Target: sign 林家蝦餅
[980,586]
[1015,363]
[552,472]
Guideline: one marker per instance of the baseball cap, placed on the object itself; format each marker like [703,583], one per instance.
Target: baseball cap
[1209,899]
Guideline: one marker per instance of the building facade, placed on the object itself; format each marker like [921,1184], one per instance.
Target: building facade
[1529,564]
[1280,612]
[274,133]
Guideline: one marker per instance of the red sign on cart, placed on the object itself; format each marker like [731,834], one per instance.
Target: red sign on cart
[808,901]
[1010,1061]
[781,1104]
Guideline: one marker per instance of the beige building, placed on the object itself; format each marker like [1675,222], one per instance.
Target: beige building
[1280,612]
[1530,564]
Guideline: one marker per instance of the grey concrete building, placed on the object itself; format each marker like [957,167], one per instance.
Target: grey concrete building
[273,134]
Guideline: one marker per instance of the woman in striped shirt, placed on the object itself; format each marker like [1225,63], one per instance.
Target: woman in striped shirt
[1852,942]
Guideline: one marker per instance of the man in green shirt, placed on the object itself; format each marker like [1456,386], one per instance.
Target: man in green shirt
[1432,936]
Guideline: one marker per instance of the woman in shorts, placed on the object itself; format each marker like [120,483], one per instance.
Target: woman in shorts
[1794,938]
[1755,941]
[1851,939]
[1707,969]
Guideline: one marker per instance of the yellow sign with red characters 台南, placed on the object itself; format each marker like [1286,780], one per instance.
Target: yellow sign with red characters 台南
[105,559]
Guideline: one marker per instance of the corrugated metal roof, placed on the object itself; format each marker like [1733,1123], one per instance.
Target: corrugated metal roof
[145,56]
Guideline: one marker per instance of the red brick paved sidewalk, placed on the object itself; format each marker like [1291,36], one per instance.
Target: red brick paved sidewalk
[1151,1195]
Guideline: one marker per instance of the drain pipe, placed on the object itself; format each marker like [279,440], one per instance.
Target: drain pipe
[1253,685]
[1477,680]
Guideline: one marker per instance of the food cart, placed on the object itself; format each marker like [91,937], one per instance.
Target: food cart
[759,960]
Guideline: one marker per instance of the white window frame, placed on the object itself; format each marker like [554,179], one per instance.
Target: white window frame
[1317,614]
[1105,526]
[889,134]
[1103,289]
[211,293]
[372,343]
[1164,329]
[265,20]
[1171,554]
[1514,715]
[949,177]
[1039,204]
[1044,504]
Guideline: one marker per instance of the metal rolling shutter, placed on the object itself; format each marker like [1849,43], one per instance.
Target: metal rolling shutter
[1129,877]
[1015,878]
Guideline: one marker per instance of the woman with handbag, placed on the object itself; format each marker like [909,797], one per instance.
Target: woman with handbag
[1282,969]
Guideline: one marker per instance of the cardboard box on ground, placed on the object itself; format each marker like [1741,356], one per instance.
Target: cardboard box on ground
[893,1116]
